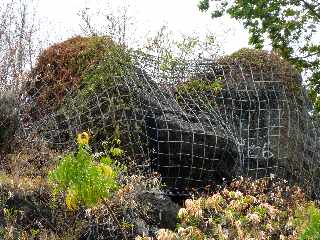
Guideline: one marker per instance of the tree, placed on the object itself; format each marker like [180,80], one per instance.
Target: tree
[118,24]
[292,27]
[17,42]
[174,52]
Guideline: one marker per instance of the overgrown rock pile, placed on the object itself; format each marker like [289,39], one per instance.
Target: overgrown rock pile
[244,114]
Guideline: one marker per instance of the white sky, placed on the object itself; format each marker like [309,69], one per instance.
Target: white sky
[181,16]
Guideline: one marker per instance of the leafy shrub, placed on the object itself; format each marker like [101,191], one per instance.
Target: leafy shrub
[85,180]
[198,91]
[307,219]
[258,59]
[195,85]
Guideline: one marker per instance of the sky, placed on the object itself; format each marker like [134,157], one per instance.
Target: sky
[147,17]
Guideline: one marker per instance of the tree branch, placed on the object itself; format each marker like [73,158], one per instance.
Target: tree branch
[312,9]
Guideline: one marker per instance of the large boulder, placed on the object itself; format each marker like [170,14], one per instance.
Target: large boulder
[63,67]
[262,96]
[191,150]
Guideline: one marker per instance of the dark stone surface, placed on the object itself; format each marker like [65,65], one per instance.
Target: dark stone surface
[164,210]
[186,155]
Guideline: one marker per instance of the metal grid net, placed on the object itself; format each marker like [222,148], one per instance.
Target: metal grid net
[198,125]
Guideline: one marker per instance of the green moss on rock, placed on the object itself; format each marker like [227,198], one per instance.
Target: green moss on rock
[261,66]
[65,66]
[197,92]
[257,59]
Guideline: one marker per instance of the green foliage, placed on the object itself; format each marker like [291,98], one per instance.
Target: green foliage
[291,26]
[194,86]
[264,62]
[174,54]
[257,58]
[198,87]
[79,62]
[308,220]
[109,64]
[85,180]
[115,61]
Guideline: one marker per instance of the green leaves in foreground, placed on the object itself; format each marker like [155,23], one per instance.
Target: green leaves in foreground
[85,180]
[309,220]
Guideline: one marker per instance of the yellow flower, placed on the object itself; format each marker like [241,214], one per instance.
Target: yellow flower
[83,138]
[71,201]
[106,170]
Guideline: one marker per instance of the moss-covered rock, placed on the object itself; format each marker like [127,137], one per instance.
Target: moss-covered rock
[197,94]
[76,85]
[260,66]
[258,59]
[64,67]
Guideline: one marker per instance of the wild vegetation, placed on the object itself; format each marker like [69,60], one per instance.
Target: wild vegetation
[247,209]
[95,188]
[291,28]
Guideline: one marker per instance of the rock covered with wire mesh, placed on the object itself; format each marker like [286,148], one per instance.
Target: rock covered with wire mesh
[244,114]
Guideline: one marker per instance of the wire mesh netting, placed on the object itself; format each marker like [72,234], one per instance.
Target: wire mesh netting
[198,125]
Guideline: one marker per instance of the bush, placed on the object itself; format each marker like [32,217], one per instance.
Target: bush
[198,92]
[62,67]
[259,60]
[261,65]
[307,219]
[84,180]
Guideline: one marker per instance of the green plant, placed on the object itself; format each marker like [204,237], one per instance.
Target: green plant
[260,64]
[198,85]
[199,90]
[63,67]
[84,180]
[308,220]
[258,60]
[109,63]
[35,232]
